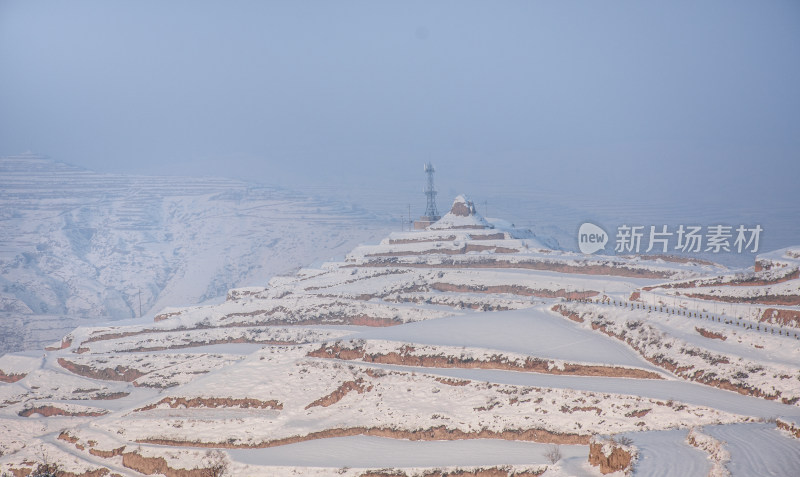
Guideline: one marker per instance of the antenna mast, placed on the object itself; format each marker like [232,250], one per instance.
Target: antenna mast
[430,211]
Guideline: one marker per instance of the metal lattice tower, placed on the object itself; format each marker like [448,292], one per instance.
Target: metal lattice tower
[431,211]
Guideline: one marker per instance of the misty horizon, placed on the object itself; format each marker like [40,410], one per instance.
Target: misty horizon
[684,100]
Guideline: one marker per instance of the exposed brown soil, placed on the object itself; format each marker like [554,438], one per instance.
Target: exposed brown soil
[166,316]
[359,279]
[710,334]
[747,281]
[329,319]
[65,343]
[107,454]
[561,267]
[789,427]
[65,436]
[497,236]
[449,238]
[468,227]
[157,465]
[462,209]
[48,411]
[537,365]
[10,378]
[249,314]
[671,258]
[781,300]
[339,393]
[113,336]
[618,460]
[118,373]
[89,473]
[244,403]
[440,433]
[464,249]
[567,313]
[320,319]
[513,290]
[447,301]
[194,344]
[781,317]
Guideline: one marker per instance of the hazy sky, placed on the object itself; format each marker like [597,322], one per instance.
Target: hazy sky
[615,99]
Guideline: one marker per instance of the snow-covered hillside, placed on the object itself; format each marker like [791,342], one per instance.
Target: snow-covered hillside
[471,331]
[78,246]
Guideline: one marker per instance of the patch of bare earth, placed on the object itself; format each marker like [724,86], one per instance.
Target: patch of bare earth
[118,373]
[26,471]
[194,344]
[449,238]
[200,402]
[339,393]
[781,317]
[295,319]
[10,378]
[789,427]
[745,281]
[406,357]
[710,334]
[568,313]
[158,465]
[618,459]
[497,236]
[106,454]
[780,300]
[65,343]
[513,290]
[48,411]
[464,249]
[548,265]
[440,433]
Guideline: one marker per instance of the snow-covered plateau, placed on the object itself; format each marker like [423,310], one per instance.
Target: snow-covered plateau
[466,349]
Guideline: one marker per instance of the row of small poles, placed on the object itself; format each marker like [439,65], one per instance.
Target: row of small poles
[682,312]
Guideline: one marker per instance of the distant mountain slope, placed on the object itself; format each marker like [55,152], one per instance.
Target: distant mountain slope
[75,243]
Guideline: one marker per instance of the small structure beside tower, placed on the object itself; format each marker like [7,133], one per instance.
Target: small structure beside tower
[431,212]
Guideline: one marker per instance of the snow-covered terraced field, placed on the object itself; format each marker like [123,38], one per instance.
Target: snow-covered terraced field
[666,453]
[758,449]
[378,452]
[468,351]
